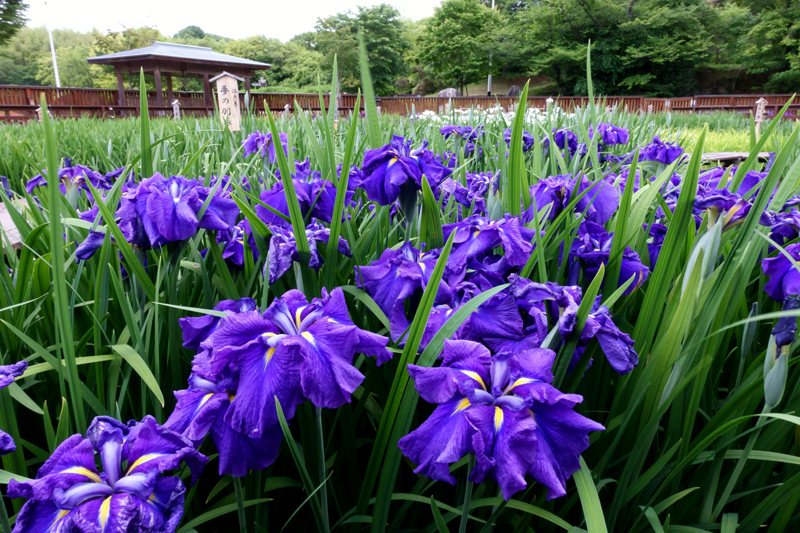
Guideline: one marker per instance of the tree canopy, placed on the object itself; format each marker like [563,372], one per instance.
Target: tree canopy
[12,18]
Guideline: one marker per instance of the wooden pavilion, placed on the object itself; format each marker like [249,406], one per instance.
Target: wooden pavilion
[180,60]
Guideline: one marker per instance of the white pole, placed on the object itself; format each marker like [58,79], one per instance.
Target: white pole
[52,49]
[489,81]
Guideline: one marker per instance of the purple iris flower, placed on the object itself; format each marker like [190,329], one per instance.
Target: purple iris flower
[504,410]
[553,191]
[8,374]
[563,139]
[593,247]
[527,139]
[472,196]
[712,177]
[437,318]
[296,349]
[90,245]
[283,249]
[355,178]
[70,494]
[6,186]
[396,168]
[617,345]
[467,133]
[396,275]
[260,142]
[784,277]
[167,209]
[600,203]
[660,152]
[497,317]
[784,226]
[544,304]
[448,159]
[201,410]
[611,134]
[785,331]
[117,172]
[624,176]
[658,232]
[234,239]
[195,330]
[313,194]
[477,236]
[71,176]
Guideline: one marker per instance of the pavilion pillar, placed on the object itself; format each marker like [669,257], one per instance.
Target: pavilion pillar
[121,87]
[159,95]
[170,94]
[207,93]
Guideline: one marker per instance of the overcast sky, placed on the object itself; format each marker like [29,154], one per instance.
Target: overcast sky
[229,18]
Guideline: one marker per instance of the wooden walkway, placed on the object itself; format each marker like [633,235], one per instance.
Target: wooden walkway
[8,227]
[730,158]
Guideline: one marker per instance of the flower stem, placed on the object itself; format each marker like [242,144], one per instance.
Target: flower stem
[237,487]
[462,528]
[4,523]
[323,471]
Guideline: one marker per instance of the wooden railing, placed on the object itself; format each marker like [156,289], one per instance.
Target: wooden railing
[20,103]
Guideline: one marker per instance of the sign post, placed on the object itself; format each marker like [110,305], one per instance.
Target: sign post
[761,108]
[176,109]
[228,99]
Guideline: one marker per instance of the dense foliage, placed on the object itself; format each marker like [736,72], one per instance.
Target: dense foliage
[650,47]
[600,326]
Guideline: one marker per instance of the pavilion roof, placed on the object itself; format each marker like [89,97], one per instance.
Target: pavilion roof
[183,53]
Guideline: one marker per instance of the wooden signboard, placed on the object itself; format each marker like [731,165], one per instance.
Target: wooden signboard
[228,99]
[761,108]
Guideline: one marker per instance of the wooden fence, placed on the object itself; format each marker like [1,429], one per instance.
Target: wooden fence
[20,103]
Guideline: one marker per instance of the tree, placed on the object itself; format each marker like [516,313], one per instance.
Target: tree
[73,69]
[650,47]
[455,42]
[12,18]
[773,43]
[191,32]
[384,39]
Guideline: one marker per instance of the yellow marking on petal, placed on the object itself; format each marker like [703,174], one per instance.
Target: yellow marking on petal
[297,318]
[392,161]
[231,397]
[475,376]
[730,213]
[518,383]
[268,334]
[84,472]
[332,320]
[498,419]
[105,512]
[308,336]
[152,498]
[422,267]
[205,399]
[143,459]
[476,233]
[268,356]
[59,516]
[463,404]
